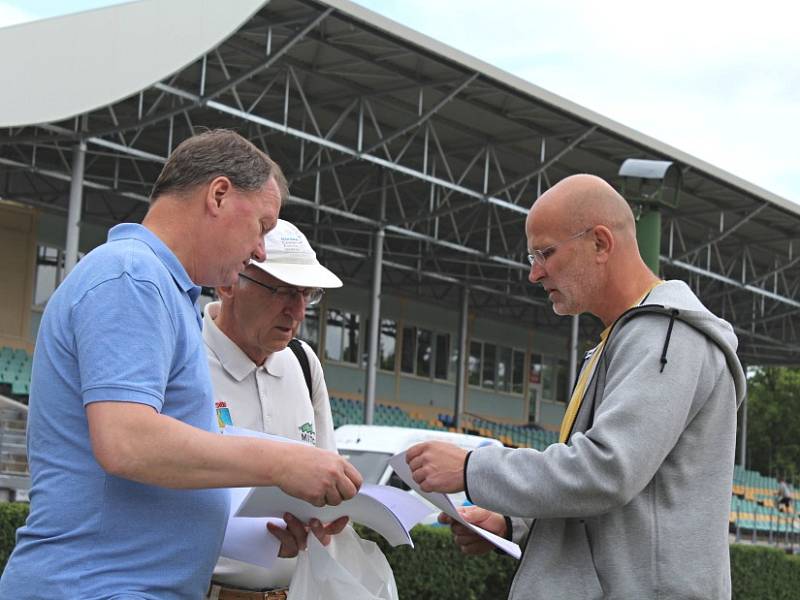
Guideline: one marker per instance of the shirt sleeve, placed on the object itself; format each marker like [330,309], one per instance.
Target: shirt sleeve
[125,341]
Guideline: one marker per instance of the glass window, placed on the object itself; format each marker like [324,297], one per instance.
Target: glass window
[488,379]
[453,367]
[533,398]
[309,328]
[442,370]
[334,331]
[365,349]
[517,371]
[535,370]
[388,343]
[474,363]
[350,337]
[46,270]
[503,369]
[424,352]
[564,383]
[408,349]
[548,379]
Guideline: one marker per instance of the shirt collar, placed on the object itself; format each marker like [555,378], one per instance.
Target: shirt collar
[232,358]
[235,362]
[274,365]
[161,250]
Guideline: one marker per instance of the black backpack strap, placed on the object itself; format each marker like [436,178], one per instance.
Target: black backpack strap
[302,358]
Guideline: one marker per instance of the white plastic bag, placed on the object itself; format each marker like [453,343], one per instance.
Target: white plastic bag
[350,568]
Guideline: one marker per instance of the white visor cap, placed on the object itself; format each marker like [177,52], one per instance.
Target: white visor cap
[291,259]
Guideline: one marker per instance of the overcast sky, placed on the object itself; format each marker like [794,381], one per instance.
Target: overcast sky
[719,80]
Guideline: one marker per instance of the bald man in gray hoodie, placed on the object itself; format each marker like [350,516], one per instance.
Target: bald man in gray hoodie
[633,502]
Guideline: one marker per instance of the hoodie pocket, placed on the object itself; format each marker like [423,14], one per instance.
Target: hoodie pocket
[588,571]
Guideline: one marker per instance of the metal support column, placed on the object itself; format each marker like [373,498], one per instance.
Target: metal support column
[75,202]
[743,436]
[648,236]
[375,313]
[461,372]
[573,350]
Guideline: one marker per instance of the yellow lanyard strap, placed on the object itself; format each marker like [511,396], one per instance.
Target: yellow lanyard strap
[576,400]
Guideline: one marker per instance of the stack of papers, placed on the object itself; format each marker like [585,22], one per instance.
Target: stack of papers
[389,511]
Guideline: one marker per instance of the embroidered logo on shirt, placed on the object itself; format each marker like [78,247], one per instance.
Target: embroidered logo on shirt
[307,433]
[223,414]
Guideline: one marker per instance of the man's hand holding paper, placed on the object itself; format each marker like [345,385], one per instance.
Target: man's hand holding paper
[465,538]
[437,466]
[327,478]
[293,537]
[425,458]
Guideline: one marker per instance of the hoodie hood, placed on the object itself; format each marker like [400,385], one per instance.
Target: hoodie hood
[676,301]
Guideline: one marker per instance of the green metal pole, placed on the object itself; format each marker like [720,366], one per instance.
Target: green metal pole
[648,236]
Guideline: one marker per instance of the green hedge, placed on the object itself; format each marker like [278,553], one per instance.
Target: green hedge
[761,572]
[12,516]
[436,569]
[436,564]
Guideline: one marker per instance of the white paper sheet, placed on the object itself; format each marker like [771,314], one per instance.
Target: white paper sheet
[242,432]
[389,511]
[442,501]
[248,540]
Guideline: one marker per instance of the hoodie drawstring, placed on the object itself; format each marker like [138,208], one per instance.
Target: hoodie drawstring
[672,314]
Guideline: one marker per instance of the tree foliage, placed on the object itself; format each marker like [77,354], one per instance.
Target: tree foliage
[773,422]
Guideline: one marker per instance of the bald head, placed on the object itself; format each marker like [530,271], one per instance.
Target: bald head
[583,201]
[582,237]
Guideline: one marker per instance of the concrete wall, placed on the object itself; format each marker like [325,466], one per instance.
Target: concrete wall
[17,269]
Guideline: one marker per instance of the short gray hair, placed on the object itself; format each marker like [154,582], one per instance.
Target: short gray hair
[216,153]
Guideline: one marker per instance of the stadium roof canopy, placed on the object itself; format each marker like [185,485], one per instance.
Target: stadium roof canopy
[376,126]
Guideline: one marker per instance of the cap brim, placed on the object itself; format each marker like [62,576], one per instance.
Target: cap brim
[301,275]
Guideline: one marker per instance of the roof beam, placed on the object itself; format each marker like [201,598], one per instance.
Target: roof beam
[270,124]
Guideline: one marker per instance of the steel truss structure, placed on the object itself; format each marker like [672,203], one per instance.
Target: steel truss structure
[382,130]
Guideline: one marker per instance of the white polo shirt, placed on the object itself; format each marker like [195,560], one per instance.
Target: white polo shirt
[272,398]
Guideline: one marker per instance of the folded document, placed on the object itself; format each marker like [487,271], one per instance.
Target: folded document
[442,501]
[389,511]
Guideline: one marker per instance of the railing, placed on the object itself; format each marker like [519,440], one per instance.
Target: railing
[14,478]
[779,529]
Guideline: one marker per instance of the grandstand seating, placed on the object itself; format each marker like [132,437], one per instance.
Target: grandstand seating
[754,504]
[15,371]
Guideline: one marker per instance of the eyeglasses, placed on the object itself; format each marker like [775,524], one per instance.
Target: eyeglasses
[540,257]
[285,293]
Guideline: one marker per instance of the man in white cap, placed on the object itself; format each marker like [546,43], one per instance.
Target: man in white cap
[266,380]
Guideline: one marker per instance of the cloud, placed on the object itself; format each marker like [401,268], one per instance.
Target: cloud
[718,80]
[12,15]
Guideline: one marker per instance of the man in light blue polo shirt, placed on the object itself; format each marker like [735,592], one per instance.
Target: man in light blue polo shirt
[125,464]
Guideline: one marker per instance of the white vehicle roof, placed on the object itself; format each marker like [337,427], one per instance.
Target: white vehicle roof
[383,438]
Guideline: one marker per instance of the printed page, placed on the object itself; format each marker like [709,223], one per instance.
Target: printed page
[442,501]
[393,522]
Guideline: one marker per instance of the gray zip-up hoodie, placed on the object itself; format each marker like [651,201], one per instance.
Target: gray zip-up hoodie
[635,505]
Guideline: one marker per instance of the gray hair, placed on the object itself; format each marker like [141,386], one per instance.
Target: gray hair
[215,153]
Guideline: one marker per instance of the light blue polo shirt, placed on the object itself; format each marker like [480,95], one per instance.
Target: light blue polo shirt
[124,326]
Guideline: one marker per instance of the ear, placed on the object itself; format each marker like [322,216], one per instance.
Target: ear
[604,243]
[217,194]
